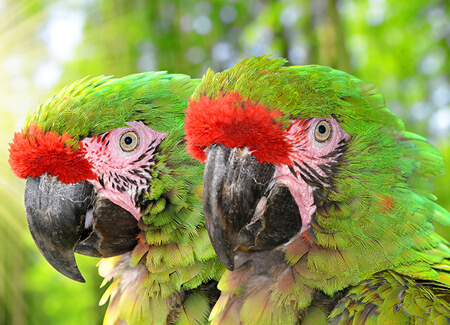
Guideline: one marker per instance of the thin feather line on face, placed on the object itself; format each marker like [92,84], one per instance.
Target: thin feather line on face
[123,174]
[312,161]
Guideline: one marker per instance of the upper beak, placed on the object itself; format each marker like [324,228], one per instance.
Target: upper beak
[57,219]
[244,205]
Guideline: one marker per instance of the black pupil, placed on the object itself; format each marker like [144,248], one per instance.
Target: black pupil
[322,129]
[128,140]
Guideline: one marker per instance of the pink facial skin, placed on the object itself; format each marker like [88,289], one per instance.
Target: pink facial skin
[307,150]
[121,173]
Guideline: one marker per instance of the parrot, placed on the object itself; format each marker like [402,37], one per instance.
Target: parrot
[107,175]
[316,199]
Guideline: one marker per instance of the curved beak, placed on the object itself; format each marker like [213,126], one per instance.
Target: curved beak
[56,213]
[244,205]
[68,218]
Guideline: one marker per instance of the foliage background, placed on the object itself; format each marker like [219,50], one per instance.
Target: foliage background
[401,46]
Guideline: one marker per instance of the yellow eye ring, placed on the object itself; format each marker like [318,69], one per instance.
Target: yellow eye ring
[129,141]
[323,131]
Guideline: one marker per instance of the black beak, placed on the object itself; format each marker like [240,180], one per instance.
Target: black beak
[244,205]
[68,218]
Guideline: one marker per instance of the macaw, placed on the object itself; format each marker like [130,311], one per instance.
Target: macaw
[108,176]
[317,200]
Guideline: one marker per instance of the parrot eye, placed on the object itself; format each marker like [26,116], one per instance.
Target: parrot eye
[323,131]
[129,141]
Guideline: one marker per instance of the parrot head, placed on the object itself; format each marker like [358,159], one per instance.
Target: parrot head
[91,156]
[308,161]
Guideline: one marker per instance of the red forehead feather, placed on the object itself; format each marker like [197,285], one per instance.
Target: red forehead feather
[35,152]
[234,122]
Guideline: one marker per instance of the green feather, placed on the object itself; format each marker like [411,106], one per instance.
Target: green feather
[174,254]
[373,227]
[195,309]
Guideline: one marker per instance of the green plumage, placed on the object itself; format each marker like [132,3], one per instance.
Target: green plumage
[371,254]
[164,280]
[306,91]
[93,106]
[388,297]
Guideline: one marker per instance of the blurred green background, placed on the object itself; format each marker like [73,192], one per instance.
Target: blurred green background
[401,46]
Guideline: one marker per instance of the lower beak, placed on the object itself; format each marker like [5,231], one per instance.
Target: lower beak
[244,205]
[68,218]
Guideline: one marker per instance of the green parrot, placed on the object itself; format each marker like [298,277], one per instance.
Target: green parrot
[108,176]
[317,200]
